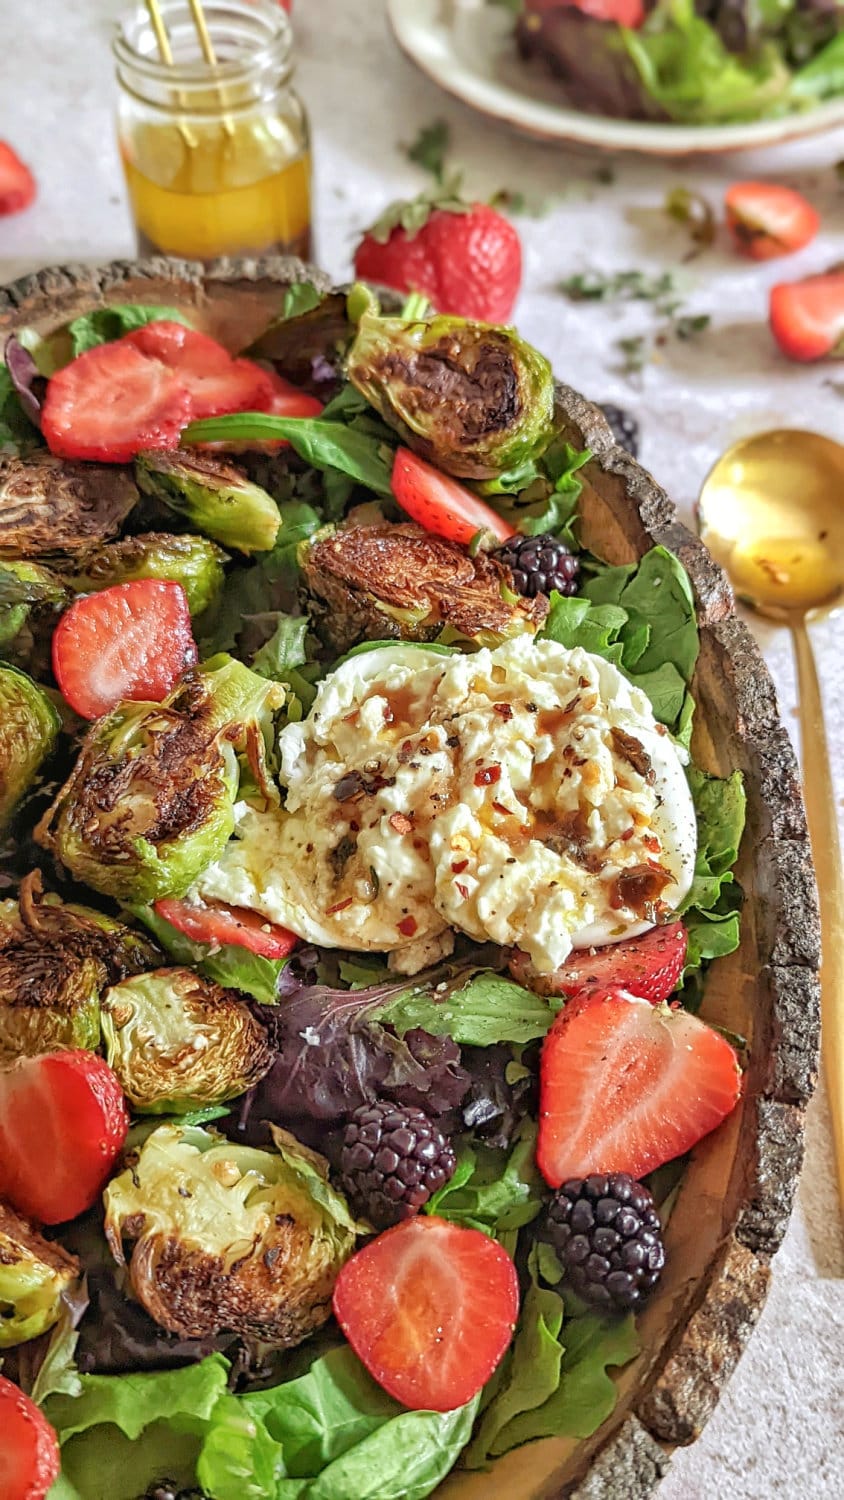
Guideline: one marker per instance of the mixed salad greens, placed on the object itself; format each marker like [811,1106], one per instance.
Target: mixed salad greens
[697,62]
[174,1325]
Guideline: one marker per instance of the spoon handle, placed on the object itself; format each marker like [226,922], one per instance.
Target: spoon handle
[821,813]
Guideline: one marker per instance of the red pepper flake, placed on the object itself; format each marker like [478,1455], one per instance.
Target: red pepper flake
[459,866]
[504,709]
[627,834]
[400,822]
[652,843]
[463,889]
[488,776]
[341,906]
[407,926]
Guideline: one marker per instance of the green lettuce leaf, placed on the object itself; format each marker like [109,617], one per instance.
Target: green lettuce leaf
[489,1009]
[711,911]
[238,1459]
[324,444]
[17,434]
[546,493]
[284,650]
[493,1192]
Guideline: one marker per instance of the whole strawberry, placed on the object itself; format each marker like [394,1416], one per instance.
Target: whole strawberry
[465,257]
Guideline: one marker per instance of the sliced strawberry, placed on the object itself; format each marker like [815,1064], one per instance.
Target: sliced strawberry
[17,184]
[441,504]
[626,1085]
[807,317]
[111,402]
[429,1308]
[63,1123]
[219,924]
[767,220]
[285,400]
[649,966]
[215,383]
[29,1449]
[131,642]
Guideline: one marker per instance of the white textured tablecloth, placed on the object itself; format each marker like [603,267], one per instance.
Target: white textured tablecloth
[778,1433]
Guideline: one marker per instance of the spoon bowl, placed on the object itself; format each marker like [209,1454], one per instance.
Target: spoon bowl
[771,512]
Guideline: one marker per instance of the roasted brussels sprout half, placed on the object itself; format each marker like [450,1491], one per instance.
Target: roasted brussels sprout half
[177,1041]
[29,728]
[213,495]
[30,598]
[475,400]
[192,561]
[55,961]
[34,1273]
[228,1238]
[150,801]
[400,582]
[50,505]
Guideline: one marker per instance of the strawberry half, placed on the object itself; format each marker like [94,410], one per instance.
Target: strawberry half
[29,1449]
[766,220]
[807,317]
[441,504]
[17,184]
[131,642]
[219,924]
[429,1308]
[63,1123]
[649,966]
[626,1085]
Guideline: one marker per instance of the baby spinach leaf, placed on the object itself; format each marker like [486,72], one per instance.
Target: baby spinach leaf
[301,297]
[405,1459]
[105,324]
[720,807]
[576,622]
[489,1009]
[325,444]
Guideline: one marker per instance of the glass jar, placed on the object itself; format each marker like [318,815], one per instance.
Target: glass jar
[217,158]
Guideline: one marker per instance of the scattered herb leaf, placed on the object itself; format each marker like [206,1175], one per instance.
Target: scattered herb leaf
[695,211]
[430,148]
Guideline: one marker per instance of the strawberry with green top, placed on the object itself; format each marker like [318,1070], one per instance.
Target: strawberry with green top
[17,184]
[465,257]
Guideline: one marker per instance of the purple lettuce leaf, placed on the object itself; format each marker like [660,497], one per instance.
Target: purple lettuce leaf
[26,378]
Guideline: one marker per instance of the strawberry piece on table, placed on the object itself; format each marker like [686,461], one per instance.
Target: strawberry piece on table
[466,259]
[626,1085]
[630,13]
[17,184]
[766,220]
[441,504]
[807,317]
[215,383]
[219,924]
[29,1449]
[63,1123]
[111,402]
[130,643]
[429,1308]
[649,966]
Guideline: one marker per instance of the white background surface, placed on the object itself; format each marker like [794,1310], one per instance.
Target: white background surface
[779,1430]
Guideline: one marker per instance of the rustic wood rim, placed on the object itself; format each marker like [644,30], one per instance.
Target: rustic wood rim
[626,1459]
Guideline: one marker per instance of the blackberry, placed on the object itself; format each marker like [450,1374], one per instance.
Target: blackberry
[540,564]
[393,1159]
[623,425]
[608,1238]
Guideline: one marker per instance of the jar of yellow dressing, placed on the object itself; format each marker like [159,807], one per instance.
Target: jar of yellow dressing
[216,156]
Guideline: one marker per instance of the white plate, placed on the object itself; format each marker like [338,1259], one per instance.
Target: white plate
[466,47]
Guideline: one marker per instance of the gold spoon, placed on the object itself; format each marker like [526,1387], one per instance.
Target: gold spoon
[771,513]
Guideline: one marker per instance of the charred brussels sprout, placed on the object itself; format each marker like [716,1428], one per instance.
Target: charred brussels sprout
[213,495]
[400,582]
[33,1275]
[177,1041]
[150,801]
[50,505]
[29,728]
[55,961]
[192,561]
[230,1239]
[473,399]
[30,598]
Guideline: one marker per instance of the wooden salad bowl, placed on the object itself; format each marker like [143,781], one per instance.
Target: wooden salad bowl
[737,1193]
